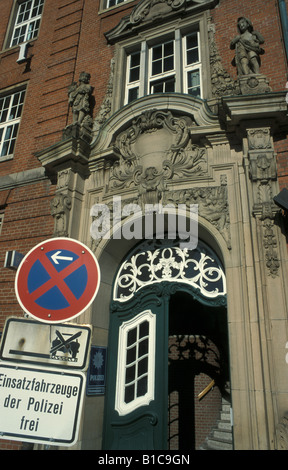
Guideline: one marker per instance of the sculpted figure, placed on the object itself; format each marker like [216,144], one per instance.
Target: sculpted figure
[247,48]
[79,97]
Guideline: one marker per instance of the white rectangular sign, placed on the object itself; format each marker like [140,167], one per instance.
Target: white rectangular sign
[40,406]
[62,345]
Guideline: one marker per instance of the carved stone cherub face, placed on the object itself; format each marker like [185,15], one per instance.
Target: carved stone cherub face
[84,77]
[243,25]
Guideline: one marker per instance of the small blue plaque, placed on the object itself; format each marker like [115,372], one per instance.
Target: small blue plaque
[96,375]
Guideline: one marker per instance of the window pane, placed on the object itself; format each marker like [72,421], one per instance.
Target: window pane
[131,355]
[37,9]
[143,347]
[24,12]
[169,86]
[19,35]
[133,94]
[130,374]
[111,3]
[157,67]
[168,63]
[168,48]
[129,393]
[143,366]
[192,54]
[135,59]
[144,329]
[194,83]
[131,337]
[157,52]
[142,387]
[163,86]
[192,41]
[134,75]
[33,30]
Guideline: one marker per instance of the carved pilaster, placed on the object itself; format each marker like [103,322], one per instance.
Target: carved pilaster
[60,210]
[263,174]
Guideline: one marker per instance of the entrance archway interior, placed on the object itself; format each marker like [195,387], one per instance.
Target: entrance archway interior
[180,296]
[197,358]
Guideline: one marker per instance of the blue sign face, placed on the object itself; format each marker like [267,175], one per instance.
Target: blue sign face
[53,298]
[57,280]
[96,375]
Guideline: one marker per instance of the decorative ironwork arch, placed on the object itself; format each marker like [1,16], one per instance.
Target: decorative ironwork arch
[154,262]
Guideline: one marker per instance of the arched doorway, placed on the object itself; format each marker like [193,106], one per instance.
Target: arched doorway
[164,295]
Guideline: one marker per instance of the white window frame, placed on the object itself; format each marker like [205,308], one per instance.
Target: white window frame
[121,406]
[190,68]
[179,72]
[115,3]
[28,27]
[1,221]
[10,117]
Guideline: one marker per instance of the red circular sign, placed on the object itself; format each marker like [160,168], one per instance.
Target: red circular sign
[57,280]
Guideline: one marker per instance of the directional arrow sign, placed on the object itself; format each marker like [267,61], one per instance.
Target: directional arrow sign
[57,280]
[56,257]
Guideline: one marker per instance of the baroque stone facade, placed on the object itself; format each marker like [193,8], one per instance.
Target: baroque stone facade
[107,159]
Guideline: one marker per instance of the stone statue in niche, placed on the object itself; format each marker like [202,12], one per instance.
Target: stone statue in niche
[79,98]
[247,48]
[247,45]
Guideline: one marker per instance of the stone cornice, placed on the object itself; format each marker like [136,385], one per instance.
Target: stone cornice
[241,108]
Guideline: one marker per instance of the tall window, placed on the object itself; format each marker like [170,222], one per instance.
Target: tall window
[10,114]
[27,21]
[173,65]
[135,379]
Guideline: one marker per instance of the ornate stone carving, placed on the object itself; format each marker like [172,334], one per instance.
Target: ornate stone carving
[152,8]
[282,434]
[262,172]
[105,108]
[259,138]
[79,97]
[156,148]
[271,248]
[80,100]
[149,11]
[247,45]
[60,209]
[247,48]
[212,205]
[221,82]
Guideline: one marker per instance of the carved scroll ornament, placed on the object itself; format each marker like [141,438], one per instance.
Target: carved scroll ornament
[156,148]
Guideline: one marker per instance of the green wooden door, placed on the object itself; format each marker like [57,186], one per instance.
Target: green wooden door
[138,377]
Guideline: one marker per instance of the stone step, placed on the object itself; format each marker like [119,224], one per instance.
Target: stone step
[225,425]
[225,416]
[216,444]
[222,435]
[226,408]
